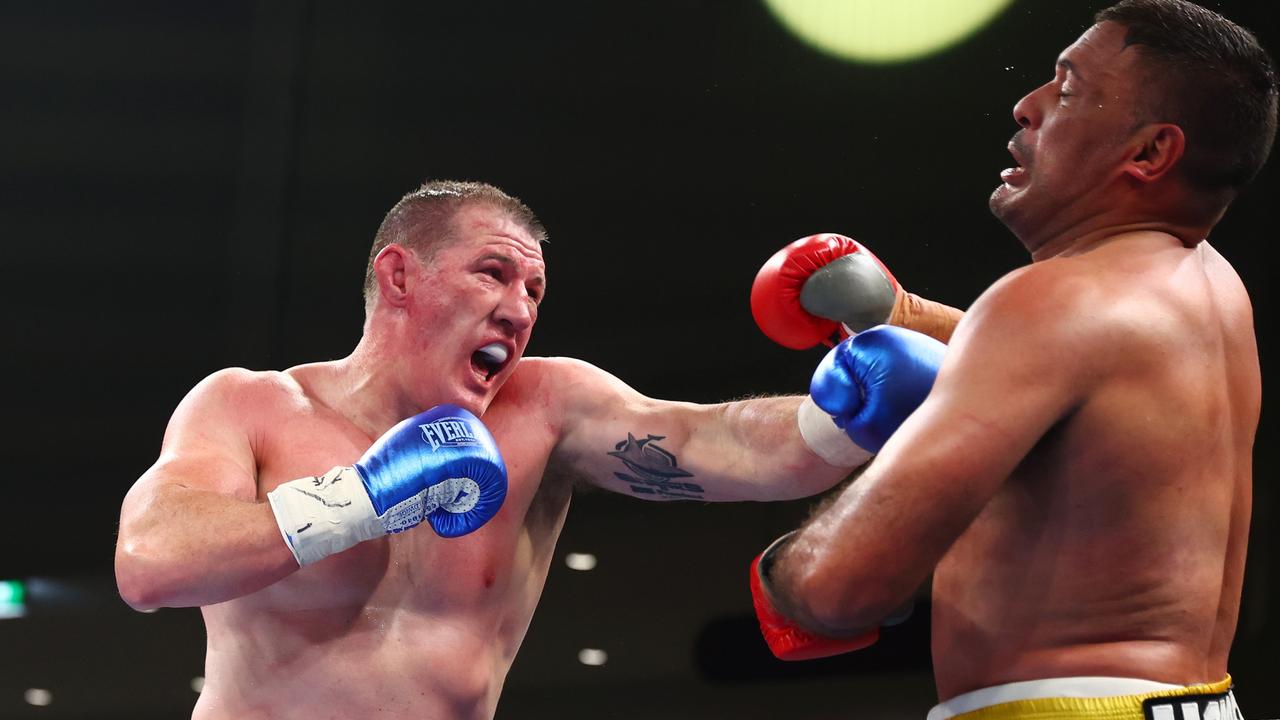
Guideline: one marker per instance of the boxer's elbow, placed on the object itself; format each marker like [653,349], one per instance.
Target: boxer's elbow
[836,601]
[147,577]
[137,587]
[155,563]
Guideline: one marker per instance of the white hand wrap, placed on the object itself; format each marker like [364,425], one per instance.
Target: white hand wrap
[319,516]
[827,440]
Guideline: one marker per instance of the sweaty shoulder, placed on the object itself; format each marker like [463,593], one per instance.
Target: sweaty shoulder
[1062,318]
[568,390]
[251,389]
[1047,300]
[1108,310]
[1166,296]
[238,398]
[1081,291]
[1227,285]
[215,433]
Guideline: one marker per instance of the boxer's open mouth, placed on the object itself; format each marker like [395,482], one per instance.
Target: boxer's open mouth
[1017,174]
[490,359]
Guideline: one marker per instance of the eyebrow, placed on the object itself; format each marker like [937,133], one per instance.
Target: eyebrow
[538,280]
[1070,67]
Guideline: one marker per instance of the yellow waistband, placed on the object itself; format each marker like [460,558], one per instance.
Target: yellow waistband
[1119,707]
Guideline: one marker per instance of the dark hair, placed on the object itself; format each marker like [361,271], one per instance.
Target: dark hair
[422,220]
[1210,77]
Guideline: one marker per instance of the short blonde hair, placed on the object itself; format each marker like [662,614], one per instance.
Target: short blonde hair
[422,220]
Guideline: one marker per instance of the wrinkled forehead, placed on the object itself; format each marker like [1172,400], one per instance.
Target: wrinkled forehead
[1100,60]
[491,232]
[481,225]
[1100,55]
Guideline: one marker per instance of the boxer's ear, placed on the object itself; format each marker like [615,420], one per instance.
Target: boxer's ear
[392,269]
[1156,150]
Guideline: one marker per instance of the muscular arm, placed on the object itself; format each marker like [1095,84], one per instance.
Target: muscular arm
[620,440]
[192,531]
[1018,364]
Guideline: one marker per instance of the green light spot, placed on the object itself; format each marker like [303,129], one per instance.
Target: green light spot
[884,31]
[12,592]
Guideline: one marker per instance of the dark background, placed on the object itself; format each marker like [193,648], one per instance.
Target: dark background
[188,186]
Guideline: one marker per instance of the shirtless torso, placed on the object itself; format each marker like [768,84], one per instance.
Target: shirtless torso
[1078,480]
[415,625]
[1117,546]
[410,624]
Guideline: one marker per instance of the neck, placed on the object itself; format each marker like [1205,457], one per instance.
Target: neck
[1097,229]
[368,388]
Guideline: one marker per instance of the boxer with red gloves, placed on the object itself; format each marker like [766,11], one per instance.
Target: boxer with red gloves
[829,285]
[860,393]
[1078,482]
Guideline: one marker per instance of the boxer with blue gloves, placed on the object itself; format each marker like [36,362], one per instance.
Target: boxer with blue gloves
[829,286]
[864,388]
[420,623]
[441,465]
[861,392]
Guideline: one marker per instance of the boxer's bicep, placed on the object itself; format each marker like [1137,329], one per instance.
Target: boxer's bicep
[1006,380]
[619,440]
[207,441]
[1013,371]
[206,448]
[1004,384]
[192,531]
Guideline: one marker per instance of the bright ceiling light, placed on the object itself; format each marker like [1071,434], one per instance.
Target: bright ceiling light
[592,656]
[884,31]
[580,561]
[38,696]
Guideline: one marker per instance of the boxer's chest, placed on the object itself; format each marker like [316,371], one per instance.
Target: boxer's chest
[417,566]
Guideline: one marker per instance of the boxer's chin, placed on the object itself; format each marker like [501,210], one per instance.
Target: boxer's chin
[999,202]
[478,402]
[1004,203]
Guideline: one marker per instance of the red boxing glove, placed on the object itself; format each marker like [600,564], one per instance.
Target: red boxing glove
[819,286]
[787,640]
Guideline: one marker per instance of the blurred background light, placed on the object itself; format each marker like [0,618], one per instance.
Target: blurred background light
[580,561]
[884,31]
[592,656]
[38,696]
[13,595]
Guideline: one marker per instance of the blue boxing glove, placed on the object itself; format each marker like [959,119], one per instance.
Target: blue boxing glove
[441,465]
[866,387]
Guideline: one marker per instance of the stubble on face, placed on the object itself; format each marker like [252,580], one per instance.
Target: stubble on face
[464,309]
[1072,128]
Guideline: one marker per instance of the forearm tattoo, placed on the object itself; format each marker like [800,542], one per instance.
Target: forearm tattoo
[653,470]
